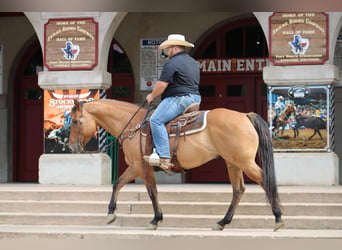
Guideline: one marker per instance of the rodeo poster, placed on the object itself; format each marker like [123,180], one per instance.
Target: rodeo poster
[57,118]
[299,117]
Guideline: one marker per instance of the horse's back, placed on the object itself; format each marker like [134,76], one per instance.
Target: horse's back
[233,129]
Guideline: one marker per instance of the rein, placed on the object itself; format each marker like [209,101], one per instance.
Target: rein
[120,138]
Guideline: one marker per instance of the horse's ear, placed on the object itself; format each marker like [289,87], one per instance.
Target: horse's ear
[77,104]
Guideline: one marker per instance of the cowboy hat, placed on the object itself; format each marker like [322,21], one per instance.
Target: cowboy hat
[175,39]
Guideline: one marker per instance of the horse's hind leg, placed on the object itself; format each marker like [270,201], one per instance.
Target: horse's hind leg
[151,187]
[315,132]
[255,173]
[127,176]
[238,185]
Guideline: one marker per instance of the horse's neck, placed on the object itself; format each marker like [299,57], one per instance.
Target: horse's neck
[113,116]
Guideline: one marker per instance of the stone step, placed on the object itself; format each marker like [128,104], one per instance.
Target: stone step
[170,220]
[184,206]
[133,234]
[189,196]
[169,207]
[185,192]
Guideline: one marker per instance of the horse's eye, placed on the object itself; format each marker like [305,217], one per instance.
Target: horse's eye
[74,121]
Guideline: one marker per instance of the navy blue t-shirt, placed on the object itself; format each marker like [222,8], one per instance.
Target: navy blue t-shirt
[182,72]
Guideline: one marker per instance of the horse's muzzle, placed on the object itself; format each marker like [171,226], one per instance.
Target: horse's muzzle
[75,148]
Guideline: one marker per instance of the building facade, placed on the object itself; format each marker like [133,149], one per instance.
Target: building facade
[237,73]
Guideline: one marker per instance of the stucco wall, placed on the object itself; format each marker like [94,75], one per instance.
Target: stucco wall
[15,32]
[160,25]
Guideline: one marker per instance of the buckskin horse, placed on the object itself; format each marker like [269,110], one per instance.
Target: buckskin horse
[238,138]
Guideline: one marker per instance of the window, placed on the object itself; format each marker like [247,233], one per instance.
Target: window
[119,62]
[243,38]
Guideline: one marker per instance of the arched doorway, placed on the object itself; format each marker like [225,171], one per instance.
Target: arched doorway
[28,116]
[28,106]
[231,57]
[122,89]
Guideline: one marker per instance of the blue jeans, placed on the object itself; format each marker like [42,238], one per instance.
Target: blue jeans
[168,109]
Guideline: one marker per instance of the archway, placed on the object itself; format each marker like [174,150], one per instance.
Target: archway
[231,57]
[28,115]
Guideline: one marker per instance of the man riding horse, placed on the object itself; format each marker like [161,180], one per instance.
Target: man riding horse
[178,86]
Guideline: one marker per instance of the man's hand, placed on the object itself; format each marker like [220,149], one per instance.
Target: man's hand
[149,98]
[157,91]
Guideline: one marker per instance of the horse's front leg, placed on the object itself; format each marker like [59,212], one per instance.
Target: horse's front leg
[128,175]
[151,187]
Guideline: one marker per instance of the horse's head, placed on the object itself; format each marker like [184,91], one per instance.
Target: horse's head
[81,129]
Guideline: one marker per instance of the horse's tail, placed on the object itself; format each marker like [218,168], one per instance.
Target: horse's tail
[266,158]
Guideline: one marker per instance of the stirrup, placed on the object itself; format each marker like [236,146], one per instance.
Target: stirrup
[165,165]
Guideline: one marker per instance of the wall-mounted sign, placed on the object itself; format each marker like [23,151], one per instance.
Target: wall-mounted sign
[232,65]
[71,44]
[298,38]
[151,62]
[299,117]
[57,118]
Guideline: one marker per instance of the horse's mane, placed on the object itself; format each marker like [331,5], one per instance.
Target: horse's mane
[121,103]
[107,106]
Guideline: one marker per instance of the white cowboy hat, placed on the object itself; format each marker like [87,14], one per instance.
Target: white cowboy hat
[280,97]
[175,39]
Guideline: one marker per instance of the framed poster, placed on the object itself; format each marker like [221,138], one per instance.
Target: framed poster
[299,117]
[57,118]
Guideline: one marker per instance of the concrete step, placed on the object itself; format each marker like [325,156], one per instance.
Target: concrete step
[177,192]
[164,233]
[184,206]
[170,220]
[168,207]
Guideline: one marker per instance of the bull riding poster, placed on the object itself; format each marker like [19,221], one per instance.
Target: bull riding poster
[57,118]
[299,117]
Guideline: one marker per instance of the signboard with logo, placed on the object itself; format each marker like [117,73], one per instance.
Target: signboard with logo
[151,62]
[71,44]
[57,119]
[298,38]
[299,117]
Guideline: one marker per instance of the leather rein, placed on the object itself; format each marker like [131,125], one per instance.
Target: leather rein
[120,138]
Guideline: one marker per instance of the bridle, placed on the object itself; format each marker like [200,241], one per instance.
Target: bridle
[80,122]
[120,138]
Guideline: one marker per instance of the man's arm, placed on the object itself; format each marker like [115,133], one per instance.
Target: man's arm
[158,89]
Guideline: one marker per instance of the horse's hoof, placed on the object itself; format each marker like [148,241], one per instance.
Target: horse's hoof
[218,227]
[279,225]
[152,227]
[111,218]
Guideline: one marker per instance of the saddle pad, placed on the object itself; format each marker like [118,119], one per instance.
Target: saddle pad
[193,127]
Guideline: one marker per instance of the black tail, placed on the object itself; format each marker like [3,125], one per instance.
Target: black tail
[266,158]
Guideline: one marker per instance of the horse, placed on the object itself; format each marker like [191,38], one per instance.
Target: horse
[309,121]
[281,119]
[238,138]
